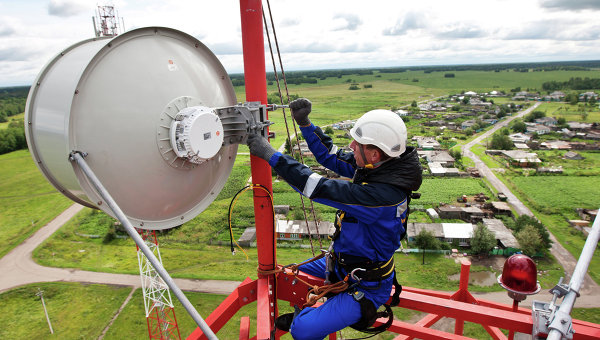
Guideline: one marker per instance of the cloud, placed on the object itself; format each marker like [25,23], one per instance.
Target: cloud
[348,22]
[460,32]
[15,53]
[65,8]
[410,21]
[6,30]
[225,48]
[570,5]
[565,30]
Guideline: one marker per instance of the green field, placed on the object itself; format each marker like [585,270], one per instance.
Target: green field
[76,311]
[27,200]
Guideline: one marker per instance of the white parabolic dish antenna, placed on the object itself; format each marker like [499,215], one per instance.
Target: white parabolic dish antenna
[139,106]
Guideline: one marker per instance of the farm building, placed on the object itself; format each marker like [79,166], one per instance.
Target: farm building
[296,230]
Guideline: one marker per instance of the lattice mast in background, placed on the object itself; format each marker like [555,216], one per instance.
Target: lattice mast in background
[106,22]
[160,314]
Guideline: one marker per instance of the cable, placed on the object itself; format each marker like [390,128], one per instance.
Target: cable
[312,208]
[232,204]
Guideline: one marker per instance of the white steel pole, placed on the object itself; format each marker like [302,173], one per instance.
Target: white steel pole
[40,293]
[78,158]
[560,325]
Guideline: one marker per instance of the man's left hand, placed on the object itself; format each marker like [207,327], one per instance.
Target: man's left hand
[260,147]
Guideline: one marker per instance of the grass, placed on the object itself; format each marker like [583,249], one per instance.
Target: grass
[76,311]
[445,190]
[27,200]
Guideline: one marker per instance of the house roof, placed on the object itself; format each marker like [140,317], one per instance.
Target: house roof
[502,232]
[299,227]
[413,229]
[457,230]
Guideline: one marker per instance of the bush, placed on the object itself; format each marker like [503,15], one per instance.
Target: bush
[353,87]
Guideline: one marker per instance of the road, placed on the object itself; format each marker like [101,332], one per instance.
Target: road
[18,268]
[566,260]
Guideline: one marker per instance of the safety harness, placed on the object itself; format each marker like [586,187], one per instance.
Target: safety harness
[359,269]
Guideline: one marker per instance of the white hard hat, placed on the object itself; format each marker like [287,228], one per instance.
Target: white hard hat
[381,128]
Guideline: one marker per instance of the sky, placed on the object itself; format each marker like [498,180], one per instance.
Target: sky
[321,34]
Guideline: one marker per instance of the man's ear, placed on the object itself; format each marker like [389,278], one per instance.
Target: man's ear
[375,156]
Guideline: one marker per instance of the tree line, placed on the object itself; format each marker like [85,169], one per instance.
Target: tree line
[573,84]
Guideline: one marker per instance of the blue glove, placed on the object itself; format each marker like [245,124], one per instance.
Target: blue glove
[301,107]
[260,147]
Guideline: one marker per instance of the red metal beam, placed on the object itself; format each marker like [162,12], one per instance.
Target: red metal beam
[245,328]
[244,294]
[256,90]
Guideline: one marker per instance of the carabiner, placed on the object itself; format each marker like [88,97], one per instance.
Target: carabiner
[354,271]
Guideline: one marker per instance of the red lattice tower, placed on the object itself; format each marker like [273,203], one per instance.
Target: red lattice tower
[160,314]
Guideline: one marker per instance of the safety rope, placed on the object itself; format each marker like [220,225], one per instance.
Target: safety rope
[315,292]
[297,144]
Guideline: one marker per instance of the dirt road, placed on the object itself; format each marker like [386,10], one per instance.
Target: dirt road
[566,260]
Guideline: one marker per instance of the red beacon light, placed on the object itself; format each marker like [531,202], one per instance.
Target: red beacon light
[519,277]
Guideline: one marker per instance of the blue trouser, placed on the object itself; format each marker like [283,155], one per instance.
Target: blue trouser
[338,312]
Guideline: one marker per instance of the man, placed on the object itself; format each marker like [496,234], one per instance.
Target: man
[371,219]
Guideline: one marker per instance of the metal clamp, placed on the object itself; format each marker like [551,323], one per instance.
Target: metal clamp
[241,120]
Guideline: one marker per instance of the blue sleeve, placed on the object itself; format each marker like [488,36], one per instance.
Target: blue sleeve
[365,200]
[327,153]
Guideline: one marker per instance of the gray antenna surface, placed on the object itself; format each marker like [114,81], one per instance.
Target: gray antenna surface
[135,105]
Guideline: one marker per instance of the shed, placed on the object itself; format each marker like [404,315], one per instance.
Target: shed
[504,236]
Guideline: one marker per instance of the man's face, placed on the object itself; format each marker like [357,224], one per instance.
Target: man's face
[358,155]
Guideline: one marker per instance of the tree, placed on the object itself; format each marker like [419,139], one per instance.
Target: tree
[329,130]
[519,126]
[426,240]
[483,240]
[523,221]
[414,103]
[501,141]
[572,98]
[529,240]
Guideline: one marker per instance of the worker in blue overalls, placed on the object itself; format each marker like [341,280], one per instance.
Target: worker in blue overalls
[371,219]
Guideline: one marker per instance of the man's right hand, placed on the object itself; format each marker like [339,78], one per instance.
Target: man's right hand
[301,107]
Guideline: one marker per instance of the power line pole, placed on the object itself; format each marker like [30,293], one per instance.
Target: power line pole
[40,293]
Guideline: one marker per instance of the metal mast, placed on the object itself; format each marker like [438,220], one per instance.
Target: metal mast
[160,314]
[106,22]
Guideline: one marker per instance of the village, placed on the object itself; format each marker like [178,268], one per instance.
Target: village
[465,114]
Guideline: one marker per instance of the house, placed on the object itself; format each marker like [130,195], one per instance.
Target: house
[593,136]
[401,113]
[521,158]
[446,232]
[538,128]
[556,96]
[470,93]
[573,156]
[296,230]
[548,121]
[442,157]
[467,124]
[521,146]
[500,208]
[503,235]
[584,97]
[428,143]
[519,138]
[437,169]
[577,126]
[556,145]
[567,133]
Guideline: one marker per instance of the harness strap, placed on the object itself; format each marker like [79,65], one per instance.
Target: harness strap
[369,270]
